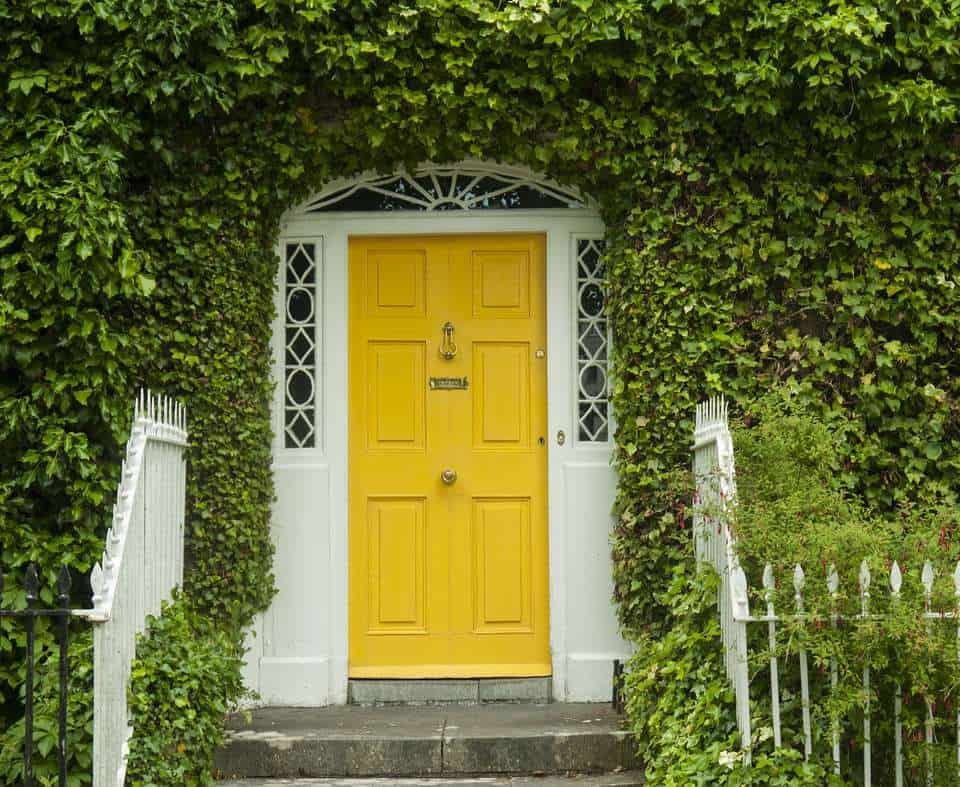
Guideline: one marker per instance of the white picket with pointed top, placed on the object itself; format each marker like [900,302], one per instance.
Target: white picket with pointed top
[142,562]
[927,578]
[896,582]
[833,587]
[798,582]
[769,585]
[865,613]
[956,593]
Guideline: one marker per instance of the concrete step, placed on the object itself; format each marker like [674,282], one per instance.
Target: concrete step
[426,741]
[623,779]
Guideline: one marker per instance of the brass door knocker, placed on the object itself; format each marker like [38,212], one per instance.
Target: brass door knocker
[448,347]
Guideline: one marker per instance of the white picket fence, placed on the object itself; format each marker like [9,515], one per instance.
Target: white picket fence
[715,480]
[142,563]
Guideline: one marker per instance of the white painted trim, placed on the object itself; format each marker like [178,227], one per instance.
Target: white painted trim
[328,649]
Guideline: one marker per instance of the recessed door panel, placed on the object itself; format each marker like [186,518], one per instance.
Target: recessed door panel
[396,283]
[447,479]
[396,560]
[501,398]
[501,565]
[501,283]
[395,374]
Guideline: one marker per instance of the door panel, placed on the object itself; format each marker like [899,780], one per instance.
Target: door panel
[396,560]
[501,547]
[501,399]
[448,580]
[397,394]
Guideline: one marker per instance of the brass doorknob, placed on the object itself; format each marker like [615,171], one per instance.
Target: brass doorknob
[448,476]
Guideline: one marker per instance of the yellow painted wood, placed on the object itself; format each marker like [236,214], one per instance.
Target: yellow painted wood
[448,580]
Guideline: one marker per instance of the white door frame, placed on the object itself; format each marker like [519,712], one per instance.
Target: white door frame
[301,656]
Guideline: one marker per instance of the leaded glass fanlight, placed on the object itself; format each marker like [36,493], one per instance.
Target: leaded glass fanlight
[439,188]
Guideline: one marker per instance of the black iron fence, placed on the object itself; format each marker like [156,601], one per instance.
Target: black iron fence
[60,616]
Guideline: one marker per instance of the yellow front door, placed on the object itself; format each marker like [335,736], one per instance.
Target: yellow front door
[448,372]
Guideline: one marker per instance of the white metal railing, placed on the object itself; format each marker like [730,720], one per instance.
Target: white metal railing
[142,563]
[715,544]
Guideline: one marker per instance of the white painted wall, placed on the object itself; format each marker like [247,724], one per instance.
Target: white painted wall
[298,648]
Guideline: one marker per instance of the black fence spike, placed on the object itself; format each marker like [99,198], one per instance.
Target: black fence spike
[64,581]
[31,583]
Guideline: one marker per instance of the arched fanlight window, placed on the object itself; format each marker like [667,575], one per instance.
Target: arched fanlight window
[436,188]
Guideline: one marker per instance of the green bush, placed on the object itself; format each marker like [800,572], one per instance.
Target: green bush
[184,680]
[791,508]
[46,727]
[681,705]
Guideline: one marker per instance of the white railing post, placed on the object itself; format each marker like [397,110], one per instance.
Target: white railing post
[142,563]
[714,475]
[896,582]
[865,614]
[798,581]
[927,577]
[833,587]
[769,585]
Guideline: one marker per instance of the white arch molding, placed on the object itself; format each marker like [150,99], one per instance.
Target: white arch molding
[298,651]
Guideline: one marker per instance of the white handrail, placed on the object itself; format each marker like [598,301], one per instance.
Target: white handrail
[142,563]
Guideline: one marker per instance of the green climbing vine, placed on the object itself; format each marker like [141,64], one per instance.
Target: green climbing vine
[778,181]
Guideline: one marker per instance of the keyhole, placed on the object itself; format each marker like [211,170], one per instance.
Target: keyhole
[542,440]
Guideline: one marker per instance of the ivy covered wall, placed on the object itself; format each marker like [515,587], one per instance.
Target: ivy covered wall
[778,179]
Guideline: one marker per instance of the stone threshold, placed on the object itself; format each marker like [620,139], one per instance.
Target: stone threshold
[381,691]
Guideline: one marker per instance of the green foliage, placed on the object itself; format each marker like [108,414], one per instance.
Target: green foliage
[778,182]
[792,508]
[185,678]
[46,727]
[681,706]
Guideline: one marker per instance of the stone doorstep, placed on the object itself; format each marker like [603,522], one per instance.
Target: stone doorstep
[351,741]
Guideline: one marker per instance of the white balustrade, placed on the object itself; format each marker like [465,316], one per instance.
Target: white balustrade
[142,563]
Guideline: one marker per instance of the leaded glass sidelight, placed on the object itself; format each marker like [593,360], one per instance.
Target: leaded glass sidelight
[593,405]
[300,345]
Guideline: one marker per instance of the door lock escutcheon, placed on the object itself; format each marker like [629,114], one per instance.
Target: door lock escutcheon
[449,476]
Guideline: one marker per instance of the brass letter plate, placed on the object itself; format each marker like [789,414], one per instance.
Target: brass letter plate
[448,384]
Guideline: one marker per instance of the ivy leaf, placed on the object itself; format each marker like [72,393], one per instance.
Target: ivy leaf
[147,284]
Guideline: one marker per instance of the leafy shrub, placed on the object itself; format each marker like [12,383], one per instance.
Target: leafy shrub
[46,726]
[681,706]
[184,680]
[792,507]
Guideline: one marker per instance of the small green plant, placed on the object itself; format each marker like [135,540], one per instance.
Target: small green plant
[185,678]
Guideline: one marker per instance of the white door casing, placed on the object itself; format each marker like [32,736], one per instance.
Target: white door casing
[298,648]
